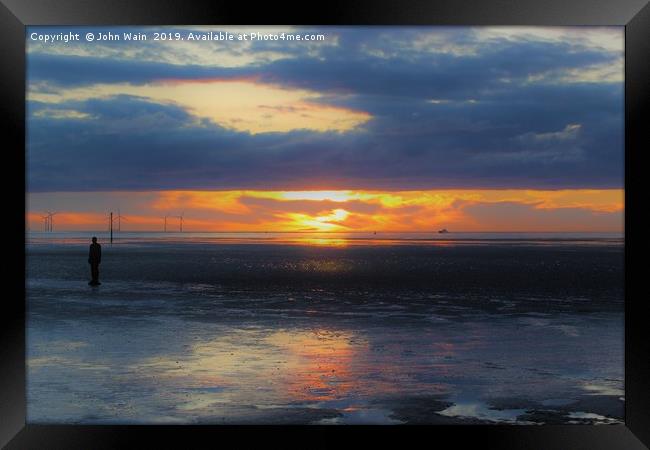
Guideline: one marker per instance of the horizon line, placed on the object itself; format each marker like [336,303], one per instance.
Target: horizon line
[323,232]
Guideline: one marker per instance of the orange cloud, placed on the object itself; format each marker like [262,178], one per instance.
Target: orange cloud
[242,210]
[226,201]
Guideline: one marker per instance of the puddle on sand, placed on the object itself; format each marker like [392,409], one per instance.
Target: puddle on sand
[477,410]
[592,418]
[361,417]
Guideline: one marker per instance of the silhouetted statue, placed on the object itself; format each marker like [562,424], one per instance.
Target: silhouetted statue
[94,258]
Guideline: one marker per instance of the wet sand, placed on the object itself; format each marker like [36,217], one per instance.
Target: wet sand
[390,334]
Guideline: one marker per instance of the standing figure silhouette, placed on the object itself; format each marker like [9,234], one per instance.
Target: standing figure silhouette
[94,258]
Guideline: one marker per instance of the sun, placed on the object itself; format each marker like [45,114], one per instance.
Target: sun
[332,221]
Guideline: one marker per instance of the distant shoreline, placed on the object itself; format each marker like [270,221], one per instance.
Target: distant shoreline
[329,239]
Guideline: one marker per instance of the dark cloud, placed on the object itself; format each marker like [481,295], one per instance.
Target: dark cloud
[488,127]
[74,71]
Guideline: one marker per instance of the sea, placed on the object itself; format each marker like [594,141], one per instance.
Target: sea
[326,328]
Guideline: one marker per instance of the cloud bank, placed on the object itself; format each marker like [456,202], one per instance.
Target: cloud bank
[368,108]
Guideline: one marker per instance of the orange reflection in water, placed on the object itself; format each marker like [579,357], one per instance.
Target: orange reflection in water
[324,242]
[299,366]
[247,373]
[320,363]
[261,368]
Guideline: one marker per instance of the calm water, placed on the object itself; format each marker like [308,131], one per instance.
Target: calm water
[323,238]
[326,329]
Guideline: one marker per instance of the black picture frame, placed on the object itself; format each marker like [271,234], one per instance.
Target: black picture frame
[16,14]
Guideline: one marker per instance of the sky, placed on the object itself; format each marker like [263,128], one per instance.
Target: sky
[368,129]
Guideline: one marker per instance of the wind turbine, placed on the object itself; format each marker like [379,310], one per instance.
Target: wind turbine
[181,220]
[119,220]
[51,220]
[181,223]
[46,222]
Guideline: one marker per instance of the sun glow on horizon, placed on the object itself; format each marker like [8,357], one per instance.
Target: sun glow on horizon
[335,211]
[331,221]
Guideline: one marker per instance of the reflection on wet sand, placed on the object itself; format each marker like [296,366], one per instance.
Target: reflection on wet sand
[264,369]
[266,374]
[319,363]
[250,373]
[323,241]
[378,335]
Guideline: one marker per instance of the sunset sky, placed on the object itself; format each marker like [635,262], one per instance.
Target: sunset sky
[371,129]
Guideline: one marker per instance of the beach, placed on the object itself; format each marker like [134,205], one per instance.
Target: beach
[364,329]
